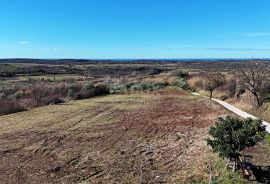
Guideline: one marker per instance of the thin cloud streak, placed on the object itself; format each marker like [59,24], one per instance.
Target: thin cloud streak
[219,49]
[55,49]
[262,34]
[24,42]
[239,49]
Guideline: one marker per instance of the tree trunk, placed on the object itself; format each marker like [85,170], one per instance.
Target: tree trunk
[234,165]
[211,94]
[239,164]
[210,175]
[258,100]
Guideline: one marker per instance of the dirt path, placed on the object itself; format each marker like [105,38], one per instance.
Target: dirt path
[236,110]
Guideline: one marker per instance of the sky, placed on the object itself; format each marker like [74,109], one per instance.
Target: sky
[134,29]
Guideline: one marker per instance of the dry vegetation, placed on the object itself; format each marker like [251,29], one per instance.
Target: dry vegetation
[148,138]
[149,131]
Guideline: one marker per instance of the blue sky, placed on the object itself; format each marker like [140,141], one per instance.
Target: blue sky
[134,29]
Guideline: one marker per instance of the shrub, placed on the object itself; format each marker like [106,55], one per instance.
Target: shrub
[2,95]
[267,138]
[71,92]
[85,94]
[78,96]
[88,86]
[180,73]
[58,90]
[16,95]
[160,85]
[10,106]
[101,90]
[119,88]
[38,92]
[224,97]
[73,89]
[154,71]
[137,86]
[230,136]
[91,92]
[141,86]
[181,83]
[231,85]
[52,100]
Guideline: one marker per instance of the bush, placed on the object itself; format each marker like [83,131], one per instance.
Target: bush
[230,136]
[38,91]
[54,100]
[88,86]
[137,86]
[141,86]
[160,85]
[267,138]
[224,97]
[91,92]
[10,106]
[180,73]
[101,90]
[154,71]
[119,88]
[71,92]
[58,90]
[16,95]
[73,89]
[181,83]
[2,95]
[231,85]
[85,94]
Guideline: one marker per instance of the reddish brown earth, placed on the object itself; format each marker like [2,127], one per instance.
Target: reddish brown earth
[135,138]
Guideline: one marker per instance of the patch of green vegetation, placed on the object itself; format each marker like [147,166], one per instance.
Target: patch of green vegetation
[181,83]
[5,84]
[49,77]
[267,138]
[180,73]
[137,86]
[7,67]
[226,176]
[222,175]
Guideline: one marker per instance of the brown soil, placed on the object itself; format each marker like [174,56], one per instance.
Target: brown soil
[163,141]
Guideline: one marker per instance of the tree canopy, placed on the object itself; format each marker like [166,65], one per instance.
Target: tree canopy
[255,79]
[231,135]
[212,81]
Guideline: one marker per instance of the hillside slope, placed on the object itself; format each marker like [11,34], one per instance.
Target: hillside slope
[132,138]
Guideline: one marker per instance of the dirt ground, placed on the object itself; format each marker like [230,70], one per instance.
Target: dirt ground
[127,138]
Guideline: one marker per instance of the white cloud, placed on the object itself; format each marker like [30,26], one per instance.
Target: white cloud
[55,49]
[258,34]
[237,49]
[218,49]
[24,42]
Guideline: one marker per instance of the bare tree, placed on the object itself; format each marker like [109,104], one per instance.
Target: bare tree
[38,91]
[231,87]
[212,81]
[255,78]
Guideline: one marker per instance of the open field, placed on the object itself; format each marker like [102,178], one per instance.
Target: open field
[132,138]
[148,129]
